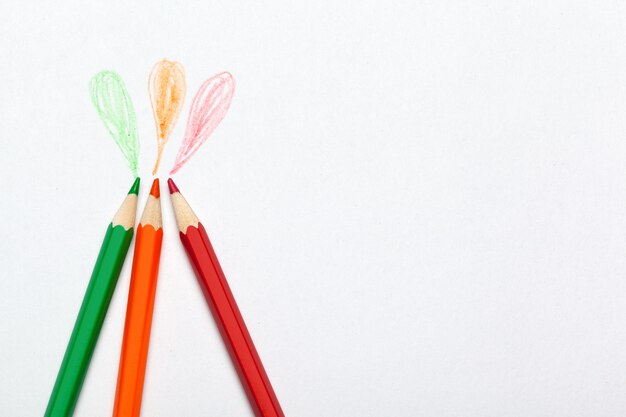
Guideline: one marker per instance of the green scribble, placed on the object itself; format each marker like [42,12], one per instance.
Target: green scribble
[112,101]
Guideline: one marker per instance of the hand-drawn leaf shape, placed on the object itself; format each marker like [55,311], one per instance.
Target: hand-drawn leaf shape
[167,88]
[208,108]
[112,101]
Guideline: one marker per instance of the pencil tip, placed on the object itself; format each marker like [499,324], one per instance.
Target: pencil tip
[154,191]
[135,188]
[173,188]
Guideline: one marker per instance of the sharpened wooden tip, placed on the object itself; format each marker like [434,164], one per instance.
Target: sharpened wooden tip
[125,215]
[151,215]
[185,216]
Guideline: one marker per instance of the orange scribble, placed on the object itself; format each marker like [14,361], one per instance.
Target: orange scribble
[167,92]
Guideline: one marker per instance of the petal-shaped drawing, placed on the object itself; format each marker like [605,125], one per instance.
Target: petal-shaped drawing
[167,89]
[112,101]
[208,108]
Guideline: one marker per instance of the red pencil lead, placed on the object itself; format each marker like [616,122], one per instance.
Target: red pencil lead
[173,188]
[154,191]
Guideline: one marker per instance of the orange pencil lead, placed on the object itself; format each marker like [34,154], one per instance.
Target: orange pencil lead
[155,190]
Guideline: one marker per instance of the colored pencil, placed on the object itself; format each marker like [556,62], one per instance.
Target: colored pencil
[94,308]
[224,308]
[139,309]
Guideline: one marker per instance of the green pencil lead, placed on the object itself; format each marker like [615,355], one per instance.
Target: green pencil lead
[135,188]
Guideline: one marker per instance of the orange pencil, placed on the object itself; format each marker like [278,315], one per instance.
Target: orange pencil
[143,282]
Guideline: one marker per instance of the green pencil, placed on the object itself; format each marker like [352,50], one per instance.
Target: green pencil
[94,308]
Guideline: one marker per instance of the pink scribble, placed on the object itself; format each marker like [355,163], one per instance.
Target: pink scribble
[208,108]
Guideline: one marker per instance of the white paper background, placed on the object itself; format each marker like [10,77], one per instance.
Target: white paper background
[420,206]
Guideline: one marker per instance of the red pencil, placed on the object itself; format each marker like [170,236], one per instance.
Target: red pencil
[224,309]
